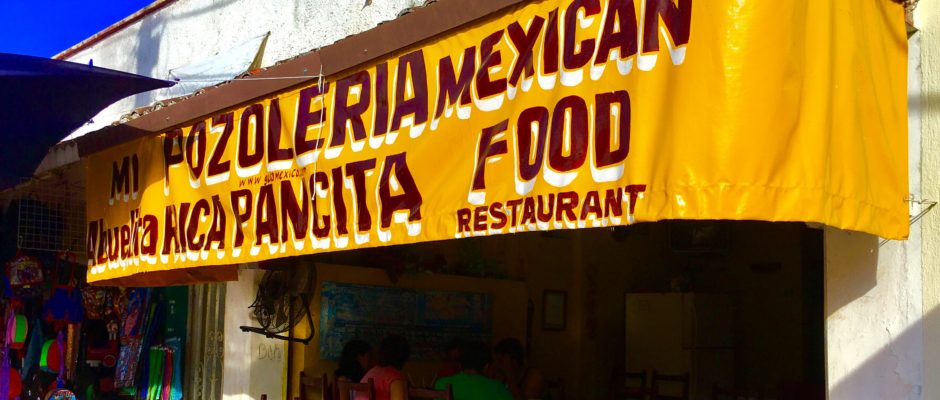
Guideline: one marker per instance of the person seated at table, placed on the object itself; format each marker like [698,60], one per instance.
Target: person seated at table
[451,364]
[355,360]
[387,376]
[509,366]
[470,384]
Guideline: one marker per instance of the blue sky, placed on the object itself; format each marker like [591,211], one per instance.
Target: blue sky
[46,27]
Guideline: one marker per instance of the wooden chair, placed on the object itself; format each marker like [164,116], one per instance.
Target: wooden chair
[555,389]
[629,386]
[802,391]
[680,381]
[346,390]
[431,394]
[310,384]
[724,393]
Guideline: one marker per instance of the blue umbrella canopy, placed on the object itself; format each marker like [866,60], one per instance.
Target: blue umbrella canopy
[43,100]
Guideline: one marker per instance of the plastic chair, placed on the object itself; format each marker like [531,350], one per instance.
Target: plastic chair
[682,381]
[726,393]
[629,386]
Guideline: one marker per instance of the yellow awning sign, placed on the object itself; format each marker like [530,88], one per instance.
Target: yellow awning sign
[557,114]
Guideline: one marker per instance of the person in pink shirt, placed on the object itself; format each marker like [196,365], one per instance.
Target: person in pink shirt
[387,377]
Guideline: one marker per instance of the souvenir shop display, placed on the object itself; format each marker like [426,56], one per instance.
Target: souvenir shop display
[62,394]
[33,348]
[51,359]
[61,337]
[131,336]
[65,305]
[24,271]
[16,331]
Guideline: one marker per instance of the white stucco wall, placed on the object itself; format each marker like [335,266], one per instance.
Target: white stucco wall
[874,335]
[927,19]
[188,31]
[253,365]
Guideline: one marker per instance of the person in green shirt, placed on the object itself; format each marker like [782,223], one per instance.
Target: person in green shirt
[470,384]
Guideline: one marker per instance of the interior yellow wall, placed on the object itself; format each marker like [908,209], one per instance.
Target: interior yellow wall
[509,312]
[768,329]
[597,271]
[549,262]
[540,261]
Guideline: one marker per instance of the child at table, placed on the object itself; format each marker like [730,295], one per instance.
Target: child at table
[509,366]
[387,376]
[470,384]
[355,361]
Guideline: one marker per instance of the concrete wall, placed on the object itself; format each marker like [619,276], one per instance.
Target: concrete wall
[253,365]
[189,31]
[874,335]
[927,105]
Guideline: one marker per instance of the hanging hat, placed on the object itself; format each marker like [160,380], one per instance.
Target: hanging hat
[17,328]
[51,358]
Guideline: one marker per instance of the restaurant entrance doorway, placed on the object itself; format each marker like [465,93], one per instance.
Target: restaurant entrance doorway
[738,306]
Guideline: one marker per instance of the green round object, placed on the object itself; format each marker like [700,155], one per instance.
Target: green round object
[51,356]
[21,328]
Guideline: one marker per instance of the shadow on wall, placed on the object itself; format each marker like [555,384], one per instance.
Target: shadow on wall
[857,367]
[856,281]
[926,103]
[150,39]
[148,53]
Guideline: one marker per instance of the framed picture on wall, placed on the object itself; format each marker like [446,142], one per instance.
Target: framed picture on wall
[554,310]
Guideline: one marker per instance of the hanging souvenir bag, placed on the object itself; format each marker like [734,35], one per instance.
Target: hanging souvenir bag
[24,271]
[61,394]
[11,384]
[65,305]
[4,374]
[49,360]
[176,386]
[33,349]
[135,312]
[102,356]
[53,360]
[33,389]
[17,328]
[16,383]
[95,301]
[7,290]
[128,359]
[131,336]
